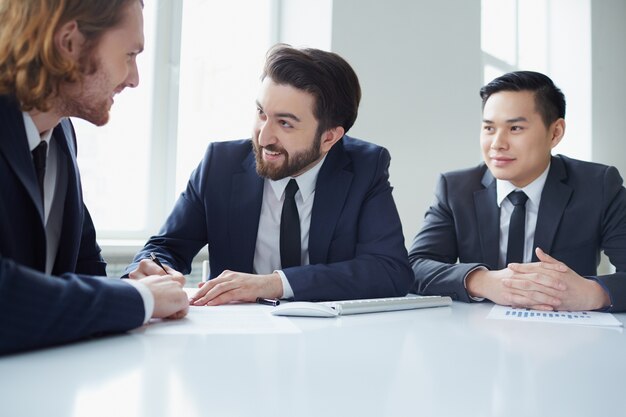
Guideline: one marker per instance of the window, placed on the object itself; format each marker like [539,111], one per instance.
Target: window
[199,75]
[548,36]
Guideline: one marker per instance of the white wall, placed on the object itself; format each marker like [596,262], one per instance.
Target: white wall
[420,67]
[609,82]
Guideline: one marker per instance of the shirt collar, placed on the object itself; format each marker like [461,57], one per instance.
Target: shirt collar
[532,190]
[32,134]
[306,182]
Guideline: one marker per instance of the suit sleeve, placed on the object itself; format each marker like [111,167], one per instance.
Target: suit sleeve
[184,232]
[434,254]
[90,261]
[379,267]
[614,238]
[38,310]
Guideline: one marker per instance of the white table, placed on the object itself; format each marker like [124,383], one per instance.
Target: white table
[447,361]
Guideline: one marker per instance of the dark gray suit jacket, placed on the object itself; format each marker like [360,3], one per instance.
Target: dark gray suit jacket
[38,310]
[582,211]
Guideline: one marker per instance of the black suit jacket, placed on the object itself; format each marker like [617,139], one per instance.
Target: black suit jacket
[356,246]
[35,309]
[582,211]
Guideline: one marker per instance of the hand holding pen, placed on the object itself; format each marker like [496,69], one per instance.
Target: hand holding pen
[158,262]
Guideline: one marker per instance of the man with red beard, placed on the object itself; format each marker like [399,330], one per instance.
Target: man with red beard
[62,59]
[299,211]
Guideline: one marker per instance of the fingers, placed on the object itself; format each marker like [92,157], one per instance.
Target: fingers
[136,274]
[545,258]
[146,267]
[204,288]
[538,267]
[169,298]
[237,286]
[179,314]
[214,292]
[526,293]
[176,276]
[536,273]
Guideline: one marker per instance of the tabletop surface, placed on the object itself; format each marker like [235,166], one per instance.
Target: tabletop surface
[239,360]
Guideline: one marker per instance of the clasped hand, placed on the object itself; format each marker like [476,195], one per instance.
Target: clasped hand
[545,285]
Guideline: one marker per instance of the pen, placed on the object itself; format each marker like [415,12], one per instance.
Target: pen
[156,261]
[268,301]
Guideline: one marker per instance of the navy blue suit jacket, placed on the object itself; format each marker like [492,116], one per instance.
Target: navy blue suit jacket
[38,310]
[356,246]
[582,211]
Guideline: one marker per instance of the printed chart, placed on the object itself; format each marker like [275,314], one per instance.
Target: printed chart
[587,318]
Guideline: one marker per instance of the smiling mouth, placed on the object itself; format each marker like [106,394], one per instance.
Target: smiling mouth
[500,161]
[270,156]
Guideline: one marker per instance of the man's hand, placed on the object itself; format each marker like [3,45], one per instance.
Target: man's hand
[148,268]
[525,293]
[170,301]
[237,286]
[574,292]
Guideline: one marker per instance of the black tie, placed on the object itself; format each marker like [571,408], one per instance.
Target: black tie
[39,159]
[290,228]
[517,237]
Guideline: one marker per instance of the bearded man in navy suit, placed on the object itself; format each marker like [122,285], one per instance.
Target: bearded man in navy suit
[472,246]
[348,239]
[62,59]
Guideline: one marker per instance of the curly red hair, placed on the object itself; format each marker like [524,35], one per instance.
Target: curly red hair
[31,67]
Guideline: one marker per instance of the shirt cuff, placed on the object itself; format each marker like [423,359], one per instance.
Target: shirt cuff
[465,285]
[146,296]
[287,291]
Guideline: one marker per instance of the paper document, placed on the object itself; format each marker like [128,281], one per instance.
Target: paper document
[587,318]
[228,319]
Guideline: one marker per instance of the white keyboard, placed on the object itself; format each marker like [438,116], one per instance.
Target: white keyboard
[376,305]
[373,305]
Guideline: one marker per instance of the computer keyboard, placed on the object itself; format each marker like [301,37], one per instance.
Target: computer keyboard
[375,305]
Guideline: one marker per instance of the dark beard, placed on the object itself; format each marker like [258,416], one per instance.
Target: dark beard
[292,164]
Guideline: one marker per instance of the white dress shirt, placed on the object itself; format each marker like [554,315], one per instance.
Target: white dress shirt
[267,250]
[52,225]
[54,197]
[503,189]
[533,191]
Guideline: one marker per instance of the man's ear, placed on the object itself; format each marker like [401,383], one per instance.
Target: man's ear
[557,131]
[69,40]
[330,137]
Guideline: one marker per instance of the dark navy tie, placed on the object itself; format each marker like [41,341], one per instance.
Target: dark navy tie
[39,160]
[517,237]
[290,252]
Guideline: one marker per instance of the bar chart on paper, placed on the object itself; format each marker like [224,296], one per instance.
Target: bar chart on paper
[587,318]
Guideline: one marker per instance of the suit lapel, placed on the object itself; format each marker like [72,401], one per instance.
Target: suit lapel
[554,199]
[245,203]
[331,190]
[14,148]
[488,220]
[72,219]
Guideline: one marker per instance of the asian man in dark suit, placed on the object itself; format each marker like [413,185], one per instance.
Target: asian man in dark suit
[299,211]
[49,258]
[540,246]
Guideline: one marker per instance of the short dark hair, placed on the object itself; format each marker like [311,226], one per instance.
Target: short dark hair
[325,75]
[549,99]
